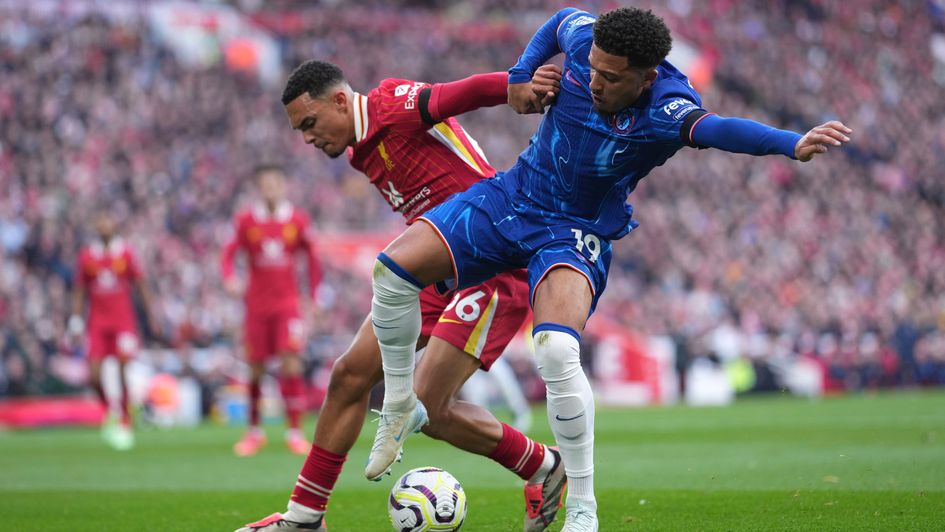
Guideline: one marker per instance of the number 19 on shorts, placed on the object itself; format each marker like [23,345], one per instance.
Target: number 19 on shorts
[591,242]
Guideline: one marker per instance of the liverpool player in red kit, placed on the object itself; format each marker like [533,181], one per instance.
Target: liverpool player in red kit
[272,233]
[403,137]
[107,272]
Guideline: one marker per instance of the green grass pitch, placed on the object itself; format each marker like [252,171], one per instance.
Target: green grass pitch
[870,462]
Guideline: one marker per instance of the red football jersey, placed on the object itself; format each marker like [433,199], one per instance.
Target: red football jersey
[415,166]
[271,241]
[108,273]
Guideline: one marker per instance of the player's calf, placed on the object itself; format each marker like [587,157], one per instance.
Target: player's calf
[570,407]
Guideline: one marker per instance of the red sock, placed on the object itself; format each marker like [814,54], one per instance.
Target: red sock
[318,478]
[293,396]
[125,412]
[517,453]
[254,393]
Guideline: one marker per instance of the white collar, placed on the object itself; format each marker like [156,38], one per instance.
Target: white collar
[359,104]
[115,247]
[282,213]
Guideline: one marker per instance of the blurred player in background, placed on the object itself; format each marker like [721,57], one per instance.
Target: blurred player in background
[107,272]
[403,137]
[271,233]
[622,110]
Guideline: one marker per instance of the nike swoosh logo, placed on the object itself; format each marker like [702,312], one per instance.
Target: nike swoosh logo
[559,418]
[374,323]
[447,320]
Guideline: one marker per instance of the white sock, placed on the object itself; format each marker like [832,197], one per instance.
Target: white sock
[581,489]
[301,514]
[570,407]
[395,314]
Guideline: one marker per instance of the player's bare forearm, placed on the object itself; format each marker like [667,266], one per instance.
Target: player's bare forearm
[817,140]
[78,300]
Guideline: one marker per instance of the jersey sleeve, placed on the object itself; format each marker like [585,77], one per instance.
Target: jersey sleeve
[545,44]
[674,114]
[313,265]
[396,105]
[134,265]
[228,257]
[80,277]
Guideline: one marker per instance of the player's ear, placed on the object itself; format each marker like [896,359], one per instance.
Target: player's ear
[649,77]
[340,100]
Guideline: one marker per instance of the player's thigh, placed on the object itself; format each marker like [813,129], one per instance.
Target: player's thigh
[421,252]
[480,236]
[483,319]
[563,297]
[100,343]
[289,333]
[127,344]
[567,276]
[359,368]
[256,338]
[441,373]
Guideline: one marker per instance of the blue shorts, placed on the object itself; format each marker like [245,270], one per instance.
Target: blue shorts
[488,233]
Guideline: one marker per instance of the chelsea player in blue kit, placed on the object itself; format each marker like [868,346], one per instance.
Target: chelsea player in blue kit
[622,110]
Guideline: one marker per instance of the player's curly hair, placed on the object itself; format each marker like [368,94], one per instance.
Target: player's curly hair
[638,35]
[313,77]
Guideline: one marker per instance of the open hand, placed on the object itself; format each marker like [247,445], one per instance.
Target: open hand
[817,140]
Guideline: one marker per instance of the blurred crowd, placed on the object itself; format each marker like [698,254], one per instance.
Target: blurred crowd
[841,261]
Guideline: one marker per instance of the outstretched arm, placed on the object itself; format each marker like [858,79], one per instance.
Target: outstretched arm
[444,100]
[740,135]
[543,46]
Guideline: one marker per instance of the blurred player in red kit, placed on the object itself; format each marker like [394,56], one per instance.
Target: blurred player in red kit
[403,137]
[271,233]
[106,273]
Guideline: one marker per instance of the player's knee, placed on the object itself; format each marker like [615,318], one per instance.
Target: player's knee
[256,371]
[441,417]
[349,381]
[391,283]
[291,365]
[557,351]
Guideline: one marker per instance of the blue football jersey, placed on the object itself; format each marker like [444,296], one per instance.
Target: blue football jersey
[582,164]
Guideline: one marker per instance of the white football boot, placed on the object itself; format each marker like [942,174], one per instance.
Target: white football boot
[397,421]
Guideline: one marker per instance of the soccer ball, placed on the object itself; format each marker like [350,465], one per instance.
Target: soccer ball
[427,498]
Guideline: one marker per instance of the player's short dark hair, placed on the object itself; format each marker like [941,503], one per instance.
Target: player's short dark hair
[638,35]
[264,168]
[314,77]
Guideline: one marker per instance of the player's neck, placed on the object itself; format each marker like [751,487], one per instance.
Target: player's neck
[272,206]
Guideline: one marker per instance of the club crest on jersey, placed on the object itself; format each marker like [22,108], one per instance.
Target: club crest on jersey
[388,164]
[621,123]
[119,265]
[394,197]
[254,234]
[289,232]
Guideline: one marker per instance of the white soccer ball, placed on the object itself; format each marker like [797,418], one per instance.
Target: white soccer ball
[427,498]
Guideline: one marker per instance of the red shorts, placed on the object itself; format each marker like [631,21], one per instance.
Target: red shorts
[480,320]
[274,333]
[110,340]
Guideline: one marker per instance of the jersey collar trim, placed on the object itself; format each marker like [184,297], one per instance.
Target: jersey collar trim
[360,117]
[282,214]
[115,247]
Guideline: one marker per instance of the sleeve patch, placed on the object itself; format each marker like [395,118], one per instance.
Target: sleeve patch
[678,109]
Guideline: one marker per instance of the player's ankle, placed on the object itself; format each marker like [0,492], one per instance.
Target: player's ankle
[300,513]
[547,464]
